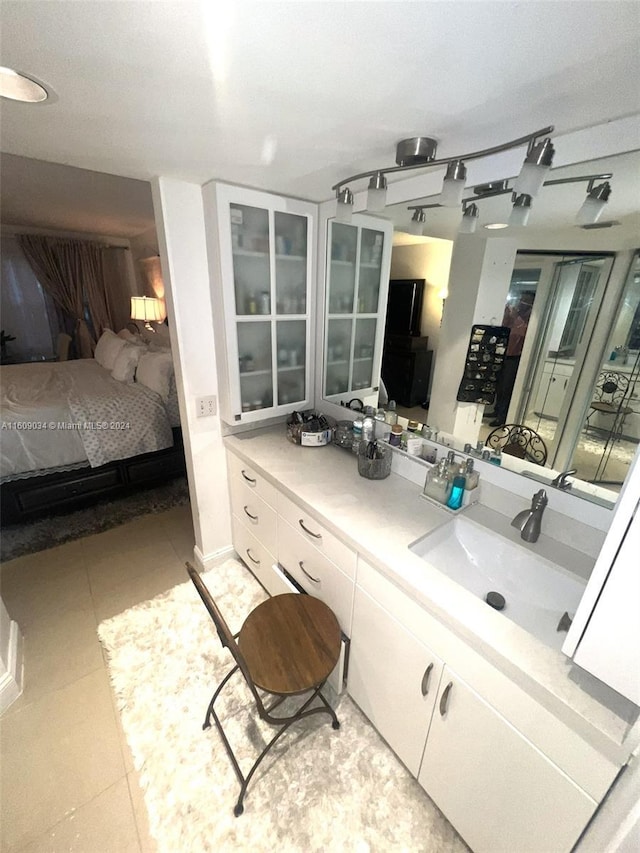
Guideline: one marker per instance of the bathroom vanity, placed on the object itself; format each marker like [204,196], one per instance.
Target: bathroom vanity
[514,743]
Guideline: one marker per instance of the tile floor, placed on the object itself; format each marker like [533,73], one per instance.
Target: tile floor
[67,778]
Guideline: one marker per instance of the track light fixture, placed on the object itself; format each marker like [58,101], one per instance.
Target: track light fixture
[344,205]
[535,168]
[416,226]
[521,209]
[377,193]
[469,222]
[453,184]
[594,204]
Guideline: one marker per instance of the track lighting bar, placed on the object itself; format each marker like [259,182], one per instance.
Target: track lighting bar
[532,140]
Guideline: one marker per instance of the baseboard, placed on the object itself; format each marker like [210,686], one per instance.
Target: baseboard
[208,561]
[11,678]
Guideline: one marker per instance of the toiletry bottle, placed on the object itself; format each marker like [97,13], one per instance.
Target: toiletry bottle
[471,476]
[391,416]
[452,465]
[457,490]
[396,435]
[412,426]
[426,432]
[265,302]
[437,484]
[496,457]
[357,435]
[368,428]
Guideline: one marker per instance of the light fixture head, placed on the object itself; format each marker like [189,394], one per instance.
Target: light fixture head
[19,87]
[496,226]
[594,204]
[469,221]
[416,226]
[520,210]
[453,184]
[417,149]
[344,205]
[377,193]
[534,169]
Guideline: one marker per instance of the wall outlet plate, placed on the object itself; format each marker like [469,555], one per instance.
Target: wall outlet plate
[206,407]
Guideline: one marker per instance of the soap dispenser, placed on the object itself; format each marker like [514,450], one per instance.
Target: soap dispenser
[438,484]
[471,476]
[457,490]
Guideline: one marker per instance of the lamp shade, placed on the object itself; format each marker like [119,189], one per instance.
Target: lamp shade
[146,308]
[535,168]
[594,204]
[469,221]
[453,184]
[377,193]
[416,226]
[344,205]
[520,210]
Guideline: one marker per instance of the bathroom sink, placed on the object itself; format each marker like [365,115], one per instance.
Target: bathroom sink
[536,592]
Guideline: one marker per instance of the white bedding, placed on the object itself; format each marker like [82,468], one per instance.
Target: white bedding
[59,414]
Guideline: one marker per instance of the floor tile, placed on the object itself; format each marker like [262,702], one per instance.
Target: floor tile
[58,754]
[106,824]
[40,595]
[110,570]
[147,843]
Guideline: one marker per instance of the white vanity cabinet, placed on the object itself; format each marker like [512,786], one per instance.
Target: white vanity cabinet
[264,288]
[393,678]
[496,787]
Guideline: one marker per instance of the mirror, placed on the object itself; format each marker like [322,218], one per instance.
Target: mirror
[573,319]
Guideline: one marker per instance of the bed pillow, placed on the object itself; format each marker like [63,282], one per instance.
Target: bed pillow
[107,349]
[130,338]
[124,368]
[154,370]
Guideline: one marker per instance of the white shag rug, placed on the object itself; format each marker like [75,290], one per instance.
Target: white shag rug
[318,789]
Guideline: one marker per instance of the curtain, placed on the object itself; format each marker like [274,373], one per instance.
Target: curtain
[117,287]
[72,273]
[28,312]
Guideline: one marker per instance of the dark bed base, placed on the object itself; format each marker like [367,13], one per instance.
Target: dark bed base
[49,494]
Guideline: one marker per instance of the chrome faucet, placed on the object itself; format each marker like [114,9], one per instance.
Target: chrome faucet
[529,521]
[560,481]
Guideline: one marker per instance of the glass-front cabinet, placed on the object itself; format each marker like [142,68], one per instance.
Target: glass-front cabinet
[358,258]
[266,263]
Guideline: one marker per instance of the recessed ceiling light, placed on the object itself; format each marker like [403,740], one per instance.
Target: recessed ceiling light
[495,226]
[19,87]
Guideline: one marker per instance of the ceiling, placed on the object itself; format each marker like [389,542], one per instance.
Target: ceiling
[295,96]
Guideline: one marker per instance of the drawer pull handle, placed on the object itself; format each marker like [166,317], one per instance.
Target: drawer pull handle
[252,517]
[426,678]
[444,699]
[248,479]
[310,532]
[253,559]
[311,577]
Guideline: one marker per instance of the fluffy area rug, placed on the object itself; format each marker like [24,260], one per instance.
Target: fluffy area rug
[318,790]
[19,539]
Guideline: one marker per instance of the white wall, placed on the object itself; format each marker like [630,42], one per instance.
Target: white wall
[183,251]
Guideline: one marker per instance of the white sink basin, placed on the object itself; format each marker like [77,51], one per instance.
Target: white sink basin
[536,591]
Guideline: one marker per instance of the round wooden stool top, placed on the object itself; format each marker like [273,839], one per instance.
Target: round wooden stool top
[290,642]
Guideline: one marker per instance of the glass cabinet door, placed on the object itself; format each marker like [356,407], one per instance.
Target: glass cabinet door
[353,322]
[266,268]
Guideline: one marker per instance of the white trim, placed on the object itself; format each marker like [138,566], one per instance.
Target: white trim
[208,561]
[12,679]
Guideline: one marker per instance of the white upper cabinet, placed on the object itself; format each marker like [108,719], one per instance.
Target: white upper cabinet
[266,248]
[357,280]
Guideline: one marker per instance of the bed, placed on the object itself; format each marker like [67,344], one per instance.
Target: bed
[83,430]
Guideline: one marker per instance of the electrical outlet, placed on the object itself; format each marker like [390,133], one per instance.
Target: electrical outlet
[206,406]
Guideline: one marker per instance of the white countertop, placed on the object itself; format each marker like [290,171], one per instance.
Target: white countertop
[381,518]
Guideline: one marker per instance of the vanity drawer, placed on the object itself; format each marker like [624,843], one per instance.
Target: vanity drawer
[254,513]
[316,573]
[239,470]
[254,555]
[315,534]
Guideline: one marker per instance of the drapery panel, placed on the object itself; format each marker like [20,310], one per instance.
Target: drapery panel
[73,272]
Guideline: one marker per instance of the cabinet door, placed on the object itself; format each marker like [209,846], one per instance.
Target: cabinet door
[393,678]
[496,788]
[266,264]
[356,295]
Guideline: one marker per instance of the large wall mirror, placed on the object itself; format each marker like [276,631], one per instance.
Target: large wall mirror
[576,374]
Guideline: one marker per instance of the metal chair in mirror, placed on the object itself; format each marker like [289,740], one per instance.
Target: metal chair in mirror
[287,647]
[610,397]
[520,441]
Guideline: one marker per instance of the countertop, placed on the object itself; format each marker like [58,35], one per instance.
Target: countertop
[381,518]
